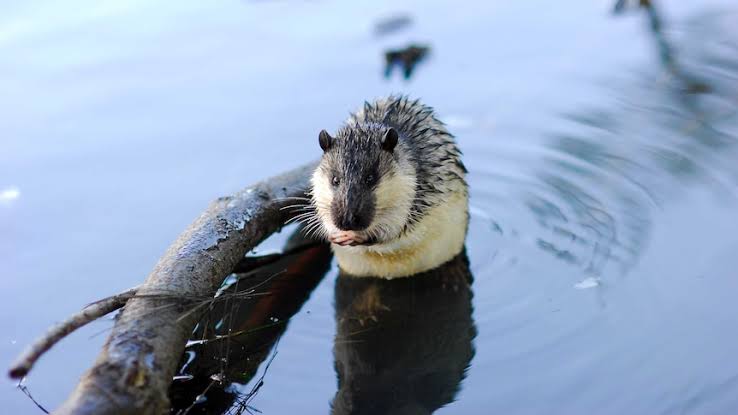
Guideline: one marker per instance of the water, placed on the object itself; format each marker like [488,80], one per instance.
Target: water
[602,161]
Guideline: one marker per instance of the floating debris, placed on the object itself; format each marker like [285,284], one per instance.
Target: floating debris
[392,24]
[9,195]
[407,58]
[590,282]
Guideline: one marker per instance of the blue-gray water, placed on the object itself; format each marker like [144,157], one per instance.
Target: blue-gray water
[603,165]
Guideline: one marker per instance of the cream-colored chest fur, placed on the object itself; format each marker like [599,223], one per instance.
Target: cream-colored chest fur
[435,239]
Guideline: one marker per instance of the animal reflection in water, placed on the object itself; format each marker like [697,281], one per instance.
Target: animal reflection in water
[403,346]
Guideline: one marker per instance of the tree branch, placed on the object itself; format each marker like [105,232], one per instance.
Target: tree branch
[135,367]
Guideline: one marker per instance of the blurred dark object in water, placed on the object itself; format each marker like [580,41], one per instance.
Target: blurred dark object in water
[690,85]
[407,58]
[621,5]
[403,346]
[674,128]
[392,24]
[237,335]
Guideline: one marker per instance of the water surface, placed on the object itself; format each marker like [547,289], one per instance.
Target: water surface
[602,157]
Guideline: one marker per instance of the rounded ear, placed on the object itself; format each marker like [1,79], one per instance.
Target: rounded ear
[325,140]
[389,141]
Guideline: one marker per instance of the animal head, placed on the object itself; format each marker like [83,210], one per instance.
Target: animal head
[364,186]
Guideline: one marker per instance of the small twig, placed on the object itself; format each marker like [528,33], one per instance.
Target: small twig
[197,399]
[25,390]
[244,403]
[92,312]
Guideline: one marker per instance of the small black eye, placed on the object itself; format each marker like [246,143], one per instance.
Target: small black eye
[335,181]
[370,179]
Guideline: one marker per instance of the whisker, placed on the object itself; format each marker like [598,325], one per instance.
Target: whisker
[305,206]
[300,218]
[291,198]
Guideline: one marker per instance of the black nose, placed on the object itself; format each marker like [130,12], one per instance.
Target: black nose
[352,221]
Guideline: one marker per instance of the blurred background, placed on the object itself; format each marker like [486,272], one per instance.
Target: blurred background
[600,138]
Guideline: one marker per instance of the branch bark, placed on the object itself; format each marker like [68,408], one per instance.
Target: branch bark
[135,367]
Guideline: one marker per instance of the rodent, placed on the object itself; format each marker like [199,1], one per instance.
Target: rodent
[390,192]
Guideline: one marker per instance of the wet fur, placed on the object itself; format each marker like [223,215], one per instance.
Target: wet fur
[419,210]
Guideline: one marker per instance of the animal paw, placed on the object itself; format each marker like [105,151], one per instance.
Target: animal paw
[347,238]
